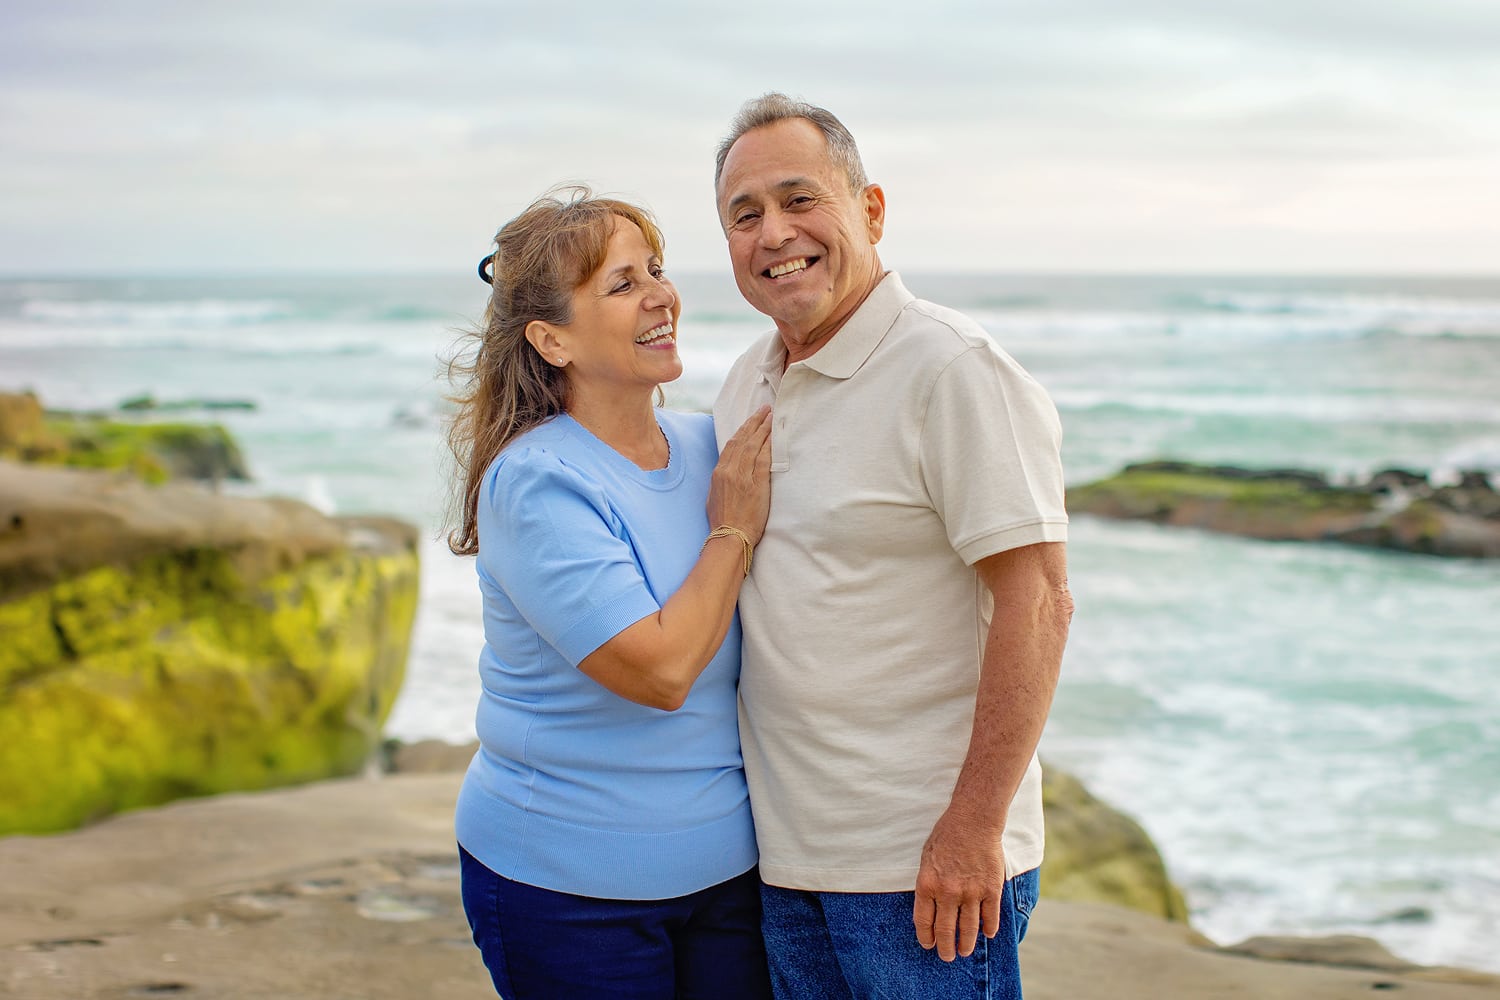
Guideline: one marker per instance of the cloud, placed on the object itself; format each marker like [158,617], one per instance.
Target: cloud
[298,135]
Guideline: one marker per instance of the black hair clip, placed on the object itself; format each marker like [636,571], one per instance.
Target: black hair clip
[486,269]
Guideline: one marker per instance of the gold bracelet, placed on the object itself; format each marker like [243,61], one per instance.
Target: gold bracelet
[724,531]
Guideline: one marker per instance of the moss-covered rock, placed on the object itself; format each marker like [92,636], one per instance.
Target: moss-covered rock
[22,422]
[1097,854]
[165,641]
[1395,510]
[154,452]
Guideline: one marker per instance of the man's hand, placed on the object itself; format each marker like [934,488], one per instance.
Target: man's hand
[959,885]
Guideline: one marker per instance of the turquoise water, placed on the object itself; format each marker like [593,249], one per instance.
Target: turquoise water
[1311,733]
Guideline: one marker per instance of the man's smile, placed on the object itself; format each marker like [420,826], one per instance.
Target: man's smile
[789,267]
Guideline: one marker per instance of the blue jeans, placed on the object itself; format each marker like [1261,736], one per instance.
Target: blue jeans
[545,945]
[862,946]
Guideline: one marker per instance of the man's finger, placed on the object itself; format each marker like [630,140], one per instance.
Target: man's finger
[968,927]
[922,915]
[945,926]
[991,913]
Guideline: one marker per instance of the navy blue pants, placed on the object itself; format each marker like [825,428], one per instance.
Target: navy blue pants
[545,945]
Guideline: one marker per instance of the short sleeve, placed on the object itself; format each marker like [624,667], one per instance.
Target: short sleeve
[991,457]
[550,540]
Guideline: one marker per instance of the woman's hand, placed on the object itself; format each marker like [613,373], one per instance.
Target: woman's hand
[740,493]
[655,661]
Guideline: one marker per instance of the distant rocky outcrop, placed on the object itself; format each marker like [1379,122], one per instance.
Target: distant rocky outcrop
[148,402]
[154,452]
[1395,509]
[1097,854]
[164,641]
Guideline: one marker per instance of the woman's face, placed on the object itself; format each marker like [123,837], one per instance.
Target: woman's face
[623,335]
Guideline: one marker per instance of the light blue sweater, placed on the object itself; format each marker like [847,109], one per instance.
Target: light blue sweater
[576,789]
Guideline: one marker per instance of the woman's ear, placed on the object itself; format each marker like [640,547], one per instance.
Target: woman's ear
[544,338]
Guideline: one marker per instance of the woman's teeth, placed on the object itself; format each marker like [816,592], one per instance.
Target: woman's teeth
[655,336]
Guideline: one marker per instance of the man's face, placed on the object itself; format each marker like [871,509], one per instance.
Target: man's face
[802,244]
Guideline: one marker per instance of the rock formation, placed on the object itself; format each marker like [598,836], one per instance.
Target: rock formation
[1097,854]
[1393,510]
[163,641]
[154,452]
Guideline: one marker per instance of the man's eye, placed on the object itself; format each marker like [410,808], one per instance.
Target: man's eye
[745,218]
[800,201]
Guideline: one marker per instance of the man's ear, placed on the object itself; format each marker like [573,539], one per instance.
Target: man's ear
[874,206]
[543,337]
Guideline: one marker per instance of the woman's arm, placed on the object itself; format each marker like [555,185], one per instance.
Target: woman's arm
[655,661]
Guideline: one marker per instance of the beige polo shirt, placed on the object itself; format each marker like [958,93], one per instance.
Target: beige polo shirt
[906,449]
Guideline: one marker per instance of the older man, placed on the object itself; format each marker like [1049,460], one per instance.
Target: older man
[905,619]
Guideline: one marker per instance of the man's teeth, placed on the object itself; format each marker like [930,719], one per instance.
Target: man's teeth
[792,265]
[660,333]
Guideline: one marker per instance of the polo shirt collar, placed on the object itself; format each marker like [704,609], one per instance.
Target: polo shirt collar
[857,339]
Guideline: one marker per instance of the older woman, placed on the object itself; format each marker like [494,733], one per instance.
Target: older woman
[604,825]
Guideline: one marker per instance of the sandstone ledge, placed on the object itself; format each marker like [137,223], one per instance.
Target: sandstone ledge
[349,889]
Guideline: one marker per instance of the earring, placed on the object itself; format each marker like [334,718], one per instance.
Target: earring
[559,360]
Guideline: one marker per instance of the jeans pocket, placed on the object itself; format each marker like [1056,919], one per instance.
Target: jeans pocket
[1026,887]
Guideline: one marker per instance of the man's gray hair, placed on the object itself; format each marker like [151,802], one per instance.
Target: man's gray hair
[774,107]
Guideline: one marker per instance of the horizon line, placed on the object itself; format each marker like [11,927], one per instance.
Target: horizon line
[467,273]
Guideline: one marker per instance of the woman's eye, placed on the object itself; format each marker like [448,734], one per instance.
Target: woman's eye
[658,271]
[623,286]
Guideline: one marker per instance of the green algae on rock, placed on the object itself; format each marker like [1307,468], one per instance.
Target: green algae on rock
[1097,854]
[154,452]
[1393,510]
[164,641]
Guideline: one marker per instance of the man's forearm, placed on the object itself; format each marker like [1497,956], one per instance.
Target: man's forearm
[962,872]
[1018,676]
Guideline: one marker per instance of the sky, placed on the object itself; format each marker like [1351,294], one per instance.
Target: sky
[1281,136]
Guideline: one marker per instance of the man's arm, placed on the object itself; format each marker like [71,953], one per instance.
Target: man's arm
[962,872]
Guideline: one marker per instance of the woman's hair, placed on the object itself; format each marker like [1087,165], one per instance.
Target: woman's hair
[506,388]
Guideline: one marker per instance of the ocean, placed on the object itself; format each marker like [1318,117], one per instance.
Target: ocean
[1310,733]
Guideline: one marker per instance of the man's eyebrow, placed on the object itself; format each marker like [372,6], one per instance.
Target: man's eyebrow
[789,183]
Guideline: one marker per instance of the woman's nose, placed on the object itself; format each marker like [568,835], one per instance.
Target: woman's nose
[661,294]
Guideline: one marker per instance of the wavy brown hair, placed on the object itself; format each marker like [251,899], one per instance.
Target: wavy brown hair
[503,387]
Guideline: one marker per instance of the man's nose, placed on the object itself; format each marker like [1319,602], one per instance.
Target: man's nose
[775,229]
